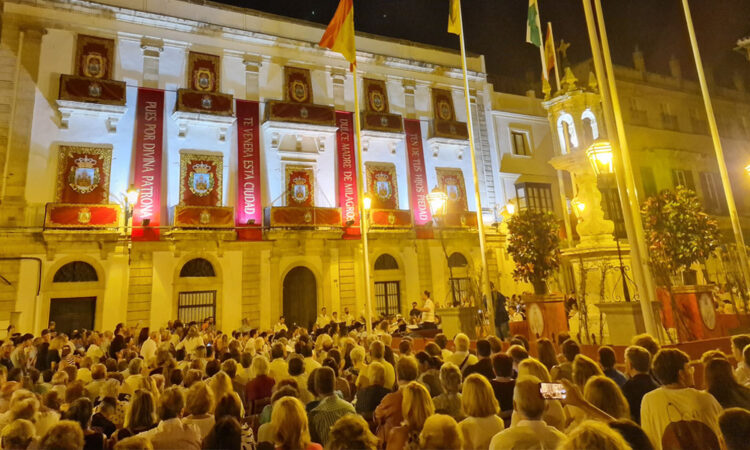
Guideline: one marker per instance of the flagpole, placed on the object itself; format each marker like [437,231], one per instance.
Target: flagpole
[731,205]
[486,291]
[623,169]
[364,219]
[554,55]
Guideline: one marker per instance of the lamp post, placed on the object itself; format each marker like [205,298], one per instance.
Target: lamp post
[131,198]
[600,156]
[438,200]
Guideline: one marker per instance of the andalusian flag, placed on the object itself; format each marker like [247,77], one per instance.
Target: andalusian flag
[339,35]
[533,25]
[549,50]
[454,17]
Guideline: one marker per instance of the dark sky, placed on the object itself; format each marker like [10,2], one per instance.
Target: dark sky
[496,28]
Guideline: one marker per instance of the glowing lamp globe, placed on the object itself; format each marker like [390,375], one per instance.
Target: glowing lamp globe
[600,156]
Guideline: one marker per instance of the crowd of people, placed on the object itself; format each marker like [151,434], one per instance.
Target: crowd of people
[190,386]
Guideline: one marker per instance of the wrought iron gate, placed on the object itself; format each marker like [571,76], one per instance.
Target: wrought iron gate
[387,298]
[196,306]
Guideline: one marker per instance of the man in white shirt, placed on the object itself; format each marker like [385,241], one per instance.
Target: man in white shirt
[530,431]
[148,349]
[323,319]
[347,318]
[278,369]
[676,400]
[461,357]
[280,325]
[428,311]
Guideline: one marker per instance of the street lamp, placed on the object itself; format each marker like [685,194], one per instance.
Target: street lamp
[367,201]
[437,200]
[578,207]
[131,198]
[510,208]
[747,169]
[600,156]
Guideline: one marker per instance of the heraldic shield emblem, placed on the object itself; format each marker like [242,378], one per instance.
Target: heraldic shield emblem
[299,91]
[452,190]
[201,180]
[84,176]
[93,66]
[377,102]
[300,193]
[383,186]
[204,80]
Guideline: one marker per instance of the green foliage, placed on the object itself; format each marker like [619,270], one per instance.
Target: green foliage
[534,244]
[678,232]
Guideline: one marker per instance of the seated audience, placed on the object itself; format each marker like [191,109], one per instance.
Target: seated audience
[370,397]
[290,426]
[461,357]
[720,382]
[638,367]
[564,370]
[594,435]
[739,345]
[607,360]
[484,365]
[481,408]
[449,402]
[603,393]
[388,413]
[329,409]
[734,424]
[351,432]
[440,431]
[417,407]
[171,433]
[632,433]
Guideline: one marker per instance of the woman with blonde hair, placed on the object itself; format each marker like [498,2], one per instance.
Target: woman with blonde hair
[199,403]
[583,369]
[440,431]
[449,402]
[554,413]
[593,434]
[140,416]
[604,393]
[416,407]
[65,435]
[290,427]
[480,405]
[221,385]
[351,431]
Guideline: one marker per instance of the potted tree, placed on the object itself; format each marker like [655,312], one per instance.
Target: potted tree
[534,245]
[679,236]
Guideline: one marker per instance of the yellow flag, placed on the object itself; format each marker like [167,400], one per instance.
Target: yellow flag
[339,36]
[549,51]
[454,17]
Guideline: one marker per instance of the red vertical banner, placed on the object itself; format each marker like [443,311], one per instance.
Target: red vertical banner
[249,210]
[149,132]
[418,188]
[347,170]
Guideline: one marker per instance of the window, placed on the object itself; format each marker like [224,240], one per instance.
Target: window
[197,267]
[520,143]
[457,260]
[460,289]
[386,262]
[536,196]
[638,114]
[683,177]
[611,203]
[387,298]
[196,306]
[75,272]
[698,121]
[590,127]
[668,119]
[648,182]
[566,131]
[713,194]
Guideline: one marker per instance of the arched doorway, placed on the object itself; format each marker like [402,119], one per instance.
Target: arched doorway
[300,297]
[71,308]
[197,291]
[387,286]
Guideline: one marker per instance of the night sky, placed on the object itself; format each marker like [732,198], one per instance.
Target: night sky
[496,28]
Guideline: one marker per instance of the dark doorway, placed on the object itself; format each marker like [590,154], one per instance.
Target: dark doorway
[300,297]
[72,313]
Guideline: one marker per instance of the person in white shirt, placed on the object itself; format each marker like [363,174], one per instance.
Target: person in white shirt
[148,349]
[676,400]
[347,318]
[428,311]
[461,357]
[481,408]
[741,352]
[280,325]
[531,431]
[171,433]
[279,368]
[323,319]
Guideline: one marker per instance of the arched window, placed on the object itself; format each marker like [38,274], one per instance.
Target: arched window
[590,126]
[75,272]
[457,260]
[197,267]
[566,131]
[386,262]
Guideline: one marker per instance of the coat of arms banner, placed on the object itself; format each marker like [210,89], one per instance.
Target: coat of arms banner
[451,181]
[298,85]
[94,57]
[445,124]
[83,174]
[203,72]
[377,96]
[200,179]
[377,116]
[381,184]
[299,186]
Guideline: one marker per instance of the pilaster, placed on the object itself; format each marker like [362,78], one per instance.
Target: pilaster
[152,49]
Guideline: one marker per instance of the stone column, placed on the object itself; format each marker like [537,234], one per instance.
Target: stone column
[410,88]
[253,64]
[152,49]
[338,76]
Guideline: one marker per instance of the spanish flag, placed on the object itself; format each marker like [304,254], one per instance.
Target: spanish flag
[339,36]
[454,17]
